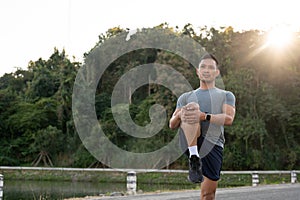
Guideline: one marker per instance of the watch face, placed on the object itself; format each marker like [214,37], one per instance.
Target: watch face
[208,117]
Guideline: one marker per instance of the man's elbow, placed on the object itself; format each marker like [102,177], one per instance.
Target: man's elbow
[173,125]
[228,121]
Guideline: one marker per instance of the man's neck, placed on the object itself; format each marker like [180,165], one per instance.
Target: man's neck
[207,85]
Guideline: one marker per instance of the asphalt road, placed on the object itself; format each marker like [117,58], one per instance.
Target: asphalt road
[265,192]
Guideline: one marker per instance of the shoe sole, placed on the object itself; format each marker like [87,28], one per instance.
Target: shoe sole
[200,181]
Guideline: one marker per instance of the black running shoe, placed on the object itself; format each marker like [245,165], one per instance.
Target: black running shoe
[195,171]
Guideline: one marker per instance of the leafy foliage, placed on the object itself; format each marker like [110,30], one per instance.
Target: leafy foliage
[36,104]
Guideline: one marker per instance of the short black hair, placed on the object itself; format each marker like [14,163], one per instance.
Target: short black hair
[211,56]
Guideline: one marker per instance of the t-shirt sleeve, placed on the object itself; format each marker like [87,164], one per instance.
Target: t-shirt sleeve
[181,101]
[230,99]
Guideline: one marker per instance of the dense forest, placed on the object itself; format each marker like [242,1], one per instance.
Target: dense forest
[37,126]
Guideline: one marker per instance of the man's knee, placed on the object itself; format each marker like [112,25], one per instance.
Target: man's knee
[193,105]
[208,195]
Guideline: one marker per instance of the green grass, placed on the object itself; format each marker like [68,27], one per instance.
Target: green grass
[274,178]
[235,180]
[46,175]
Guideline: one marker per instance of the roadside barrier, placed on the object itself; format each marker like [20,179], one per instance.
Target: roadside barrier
[1,186]
[132,174]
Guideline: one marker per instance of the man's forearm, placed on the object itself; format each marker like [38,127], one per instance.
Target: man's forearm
[175,120]
[221,119]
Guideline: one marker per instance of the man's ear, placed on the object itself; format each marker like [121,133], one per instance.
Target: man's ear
[217,72]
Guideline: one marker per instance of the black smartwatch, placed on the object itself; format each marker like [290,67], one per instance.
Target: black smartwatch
[207,117]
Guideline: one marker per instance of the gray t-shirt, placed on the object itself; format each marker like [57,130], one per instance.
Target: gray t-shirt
[211,101]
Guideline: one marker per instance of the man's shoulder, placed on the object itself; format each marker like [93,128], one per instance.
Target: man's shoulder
[223,91]
[187,95]
[228,96]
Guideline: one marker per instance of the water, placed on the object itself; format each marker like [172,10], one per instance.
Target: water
[28,190]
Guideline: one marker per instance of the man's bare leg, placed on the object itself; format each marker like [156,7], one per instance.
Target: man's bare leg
[208,189]
[192,132]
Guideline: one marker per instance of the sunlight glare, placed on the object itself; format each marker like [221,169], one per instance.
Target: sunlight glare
[279,37]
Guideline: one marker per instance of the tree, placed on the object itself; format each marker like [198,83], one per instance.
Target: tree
[48,143]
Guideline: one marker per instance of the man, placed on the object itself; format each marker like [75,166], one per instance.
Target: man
[201,114]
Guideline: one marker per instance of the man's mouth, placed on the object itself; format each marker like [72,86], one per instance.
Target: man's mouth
[206,75]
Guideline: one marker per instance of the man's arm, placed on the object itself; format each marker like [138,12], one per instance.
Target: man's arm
[175,119]
[191,115]
[226,118]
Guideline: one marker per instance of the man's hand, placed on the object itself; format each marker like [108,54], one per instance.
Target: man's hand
[191,113]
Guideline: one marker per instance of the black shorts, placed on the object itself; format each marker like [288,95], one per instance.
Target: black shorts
[211,157]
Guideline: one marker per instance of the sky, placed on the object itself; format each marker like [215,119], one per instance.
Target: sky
[31,29]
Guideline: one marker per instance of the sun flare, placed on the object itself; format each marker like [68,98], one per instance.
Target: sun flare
[279,37]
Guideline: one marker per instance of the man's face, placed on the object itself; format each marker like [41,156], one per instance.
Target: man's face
[207,70]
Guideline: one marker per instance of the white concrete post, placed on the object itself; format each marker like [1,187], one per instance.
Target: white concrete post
[131,182]
[1,186]
[255,179]
[293,177]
